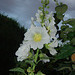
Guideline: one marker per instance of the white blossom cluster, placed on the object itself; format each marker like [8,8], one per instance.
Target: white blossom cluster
[37,37]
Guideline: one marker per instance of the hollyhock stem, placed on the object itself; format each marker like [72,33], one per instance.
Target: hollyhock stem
[35,59]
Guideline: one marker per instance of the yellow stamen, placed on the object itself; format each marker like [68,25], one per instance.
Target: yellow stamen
[37,37]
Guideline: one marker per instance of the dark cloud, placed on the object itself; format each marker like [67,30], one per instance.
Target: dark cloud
[23,10]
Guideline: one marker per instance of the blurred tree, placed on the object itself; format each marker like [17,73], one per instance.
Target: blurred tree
[11,35]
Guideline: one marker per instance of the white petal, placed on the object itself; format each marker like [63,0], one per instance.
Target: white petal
[46,60]
[54,43]
[52,51]
[22,52]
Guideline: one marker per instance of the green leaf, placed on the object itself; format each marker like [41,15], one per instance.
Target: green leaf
[67,33]
[67,30]
[63,27]
[63,36]
[61,8]
[32,73]
[73,41]
[29,61]
[60,16]
[71,35]
[70,21]
[64,68]
[65,52]
[18,70]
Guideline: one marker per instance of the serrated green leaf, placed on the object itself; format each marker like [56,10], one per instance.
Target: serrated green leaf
[67,30]
[63,36]
[70,21]
[64,27]
[66,51]
[61,8]
[18,70]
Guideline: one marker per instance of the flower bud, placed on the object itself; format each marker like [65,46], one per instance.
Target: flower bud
[47,1]
[73,57]
[41,1]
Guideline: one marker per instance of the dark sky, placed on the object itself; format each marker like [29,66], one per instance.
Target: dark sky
[23,10]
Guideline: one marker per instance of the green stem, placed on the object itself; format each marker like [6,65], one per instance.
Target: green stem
[35,59]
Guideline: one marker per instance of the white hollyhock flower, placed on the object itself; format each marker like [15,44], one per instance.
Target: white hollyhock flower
[37,37]
[49,22]
[50,18]
[53,31]
[52,45]
[22,52]
[51,28]
[38,16]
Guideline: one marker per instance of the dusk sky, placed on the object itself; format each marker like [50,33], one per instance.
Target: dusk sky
[23,10]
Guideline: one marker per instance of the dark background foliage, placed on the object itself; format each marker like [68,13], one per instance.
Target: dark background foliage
[11,35]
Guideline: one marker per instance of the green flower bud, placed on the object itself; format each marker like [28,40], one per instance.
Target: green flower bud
[47,46]
[44,5]
[40,8]
[48,7]
[47,12]
[47,28]
[29,69]
[42,1]
[47,1]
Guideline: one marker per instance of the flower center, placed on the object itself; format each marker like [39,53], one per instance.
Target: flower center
[37,37]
